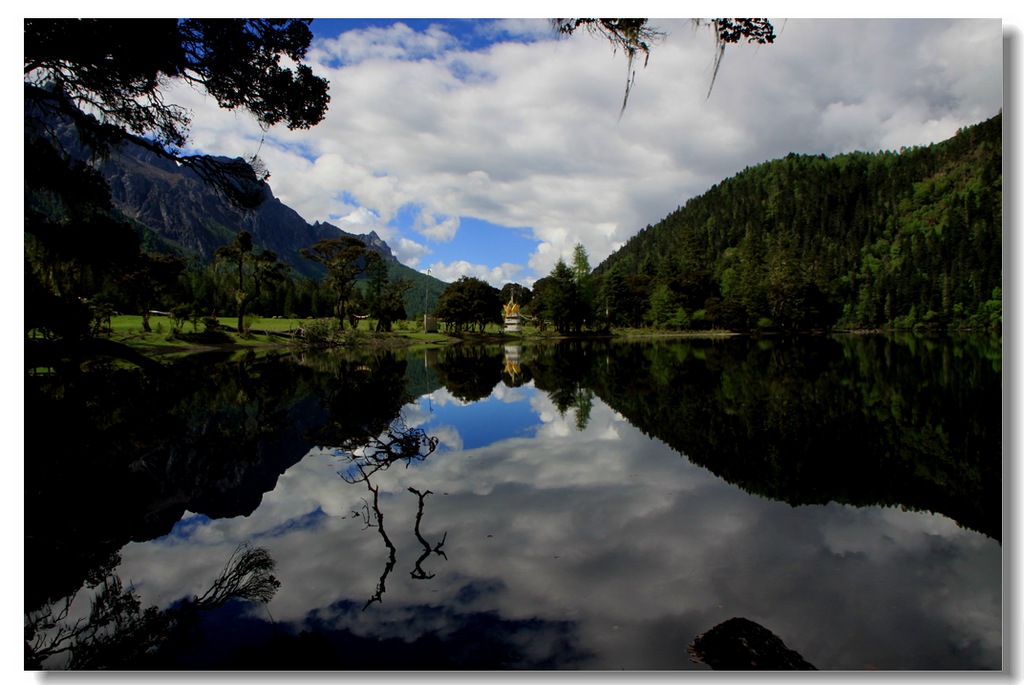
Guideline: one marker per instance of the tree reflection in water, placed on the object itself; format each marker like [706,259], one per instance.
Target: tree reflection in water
[864,421]
[210,438]
[119,634]
[398,444]
[890,420]
[418,573]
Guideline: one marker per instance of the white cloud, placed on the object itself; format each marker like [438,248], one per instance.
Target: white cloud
[495,275]
[438,229]
[360,220]
[525,29]
[528,134]
[395,42]
[594,514]
[409,252]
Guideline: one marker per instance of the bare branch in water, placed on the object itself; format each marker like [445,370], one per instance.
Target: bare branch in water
[418,573]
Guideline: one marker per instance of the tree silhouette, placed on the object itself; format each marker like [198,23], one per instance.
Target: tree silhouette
[91,85]
[385,296]
[467,302]
[119,633]
[152,276]
[557,299]
[253,270]
[418,573]
[111,78]
[366,457]
[345,260]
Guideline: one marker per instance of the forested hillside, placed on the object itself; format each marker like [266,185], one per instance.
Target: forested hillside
[860,240]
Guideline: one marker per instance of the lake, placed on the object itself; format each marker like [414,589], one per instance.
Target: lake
[583,505]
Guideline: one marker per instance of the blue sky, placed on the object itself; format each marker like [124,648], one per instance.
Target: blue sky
[489,148]
[483,422]
[469,34]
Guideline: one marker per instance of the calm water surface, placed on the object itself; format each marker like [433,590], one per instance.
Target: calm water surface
[574,506]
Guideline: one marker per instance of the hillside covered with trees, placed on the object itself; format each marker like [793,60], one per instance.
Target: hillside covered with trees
[859,240]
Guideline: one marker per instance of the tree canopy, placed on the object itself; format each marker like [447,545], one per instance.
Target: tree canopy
[385,295]
[111,77]
[253,270]
[467,302]
[345,260]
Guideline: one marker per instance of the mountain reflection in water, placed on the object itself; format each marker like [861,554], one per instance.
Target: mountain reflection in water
[575,506]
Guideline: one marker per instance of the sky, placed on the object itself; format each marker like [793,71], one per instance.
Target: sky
[490,148]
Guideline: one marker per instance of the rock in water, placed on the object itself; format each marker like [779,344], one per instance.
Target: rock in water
[740,644]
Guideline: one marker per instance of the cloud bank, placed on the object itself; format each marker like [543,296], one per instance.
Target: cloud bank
[507,123]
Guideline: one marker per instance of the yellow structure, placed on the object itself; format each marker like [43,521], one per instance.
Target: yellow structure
[512,361]
[513,320]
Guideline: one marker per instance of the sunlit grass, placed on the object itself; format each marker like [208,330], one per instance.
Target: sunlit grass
[262,332]
[128,329]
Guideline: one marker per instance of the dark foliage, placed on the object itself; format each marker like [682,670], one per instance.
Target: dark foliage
[344,258]
[469,302]
[110,77]
[120,68]
[119,634]
[900,420]
[859,240]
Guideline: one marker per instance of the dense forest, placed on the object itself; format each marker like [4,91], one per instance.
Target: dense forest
[859,240]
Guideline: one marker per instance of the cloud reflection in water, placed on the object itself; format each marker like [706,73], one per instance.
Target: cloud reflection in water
[603,541]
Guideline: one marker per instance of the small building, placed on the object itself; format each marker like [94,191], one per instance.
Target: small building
[513,319]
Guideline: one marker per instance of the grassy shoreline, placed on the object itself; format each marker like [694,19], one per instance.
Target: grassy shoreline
[276,334]
[127,329]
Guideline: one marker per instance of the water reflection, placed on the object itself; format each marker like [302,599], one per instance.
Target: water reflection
[740,644]
[398,444]
[118,633]
[868,420]
[599,514]
[418,573]
[513,373]
[212,438]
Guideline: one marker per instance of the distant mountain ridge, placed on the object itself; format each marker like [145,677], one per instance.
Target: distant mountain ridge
[176,211]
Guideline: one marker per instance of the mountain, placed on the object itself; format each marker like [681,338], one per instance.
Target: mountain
[176,211]
[888,239]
